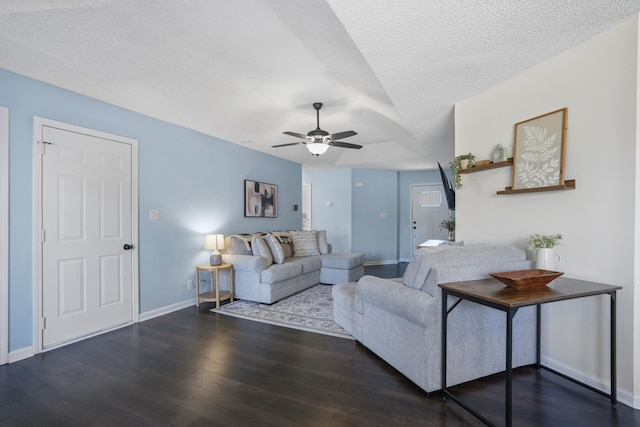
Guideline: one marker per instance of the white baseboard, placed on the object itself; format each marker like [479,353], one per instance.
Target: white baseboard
[23,353]
[383,262]
[623,396]
[166,310]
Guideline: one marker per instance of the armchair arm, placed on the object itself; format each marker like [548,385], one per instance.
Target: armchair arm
[389,295]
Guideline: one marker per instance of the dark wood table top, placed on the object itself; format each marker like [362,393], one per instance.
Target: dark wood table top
[496,293]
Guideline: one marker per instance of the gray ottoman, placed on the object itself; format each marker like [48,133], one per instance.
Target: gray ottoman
[341,268]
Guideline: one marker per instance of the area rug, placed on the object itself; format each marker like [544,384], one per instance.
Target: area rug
[309,310]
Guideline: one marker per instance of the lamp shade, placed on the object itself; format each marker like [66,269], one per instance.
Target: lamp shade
[214,242]
[317,148]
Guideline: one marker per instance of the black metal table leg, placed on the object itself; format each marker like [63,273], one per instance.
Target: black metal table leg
[443,361]
[614,400]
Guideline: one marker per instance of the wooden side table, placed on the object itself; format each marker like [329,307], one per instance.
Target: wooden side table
[215,295]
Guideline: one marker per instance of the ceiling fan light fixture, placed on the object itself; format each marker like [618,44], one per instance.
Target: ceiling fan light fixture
[317,148]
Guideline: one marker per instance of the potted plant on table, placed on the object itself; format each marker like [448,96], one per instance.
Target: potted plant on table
[450,226]
[546,259]
[462,161]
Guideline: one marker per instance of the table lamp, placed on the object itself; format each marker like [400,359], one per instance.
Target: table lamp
[214,242]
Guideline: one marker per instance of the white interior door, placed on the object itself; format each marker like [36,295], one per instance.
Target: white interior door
[428,209]
[87,261]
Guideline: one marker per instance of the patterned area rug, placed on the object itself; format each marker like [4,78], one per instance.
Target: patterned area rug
[309,310]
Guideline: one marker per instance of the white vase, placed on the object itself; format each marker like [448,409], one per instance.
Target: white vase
[546,259]
[464,163]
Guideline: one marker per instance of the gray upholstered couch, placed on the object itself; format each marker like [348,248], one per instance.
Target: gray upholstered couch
[270,266]
[400,319]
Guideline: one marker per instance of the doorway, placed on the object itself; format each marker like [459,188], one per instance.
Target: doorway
[86,266]
[428,209]
[4,235]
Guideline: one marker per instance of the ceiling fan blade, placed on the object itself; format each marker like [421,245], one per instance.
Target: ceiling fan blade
[345,134]
[296,135]
[286,145]
[345,145]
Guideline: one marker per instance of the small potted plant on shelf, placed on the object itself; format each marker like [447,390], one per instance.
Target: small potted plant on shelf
[450,226]
[546,259]
[462,161]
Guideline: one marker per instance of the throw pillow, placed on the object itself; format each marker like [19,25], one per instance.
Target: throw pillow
[305,243]
[275,247]
[323,246]
[285,241]
[239,244]
[260,248]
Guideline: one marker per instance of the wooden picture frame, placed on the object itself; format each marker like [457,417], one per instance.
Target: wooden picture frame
[260,199]
[539,151]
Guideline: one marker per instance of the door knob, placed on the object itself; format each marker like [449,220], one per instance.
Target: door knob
[127,247]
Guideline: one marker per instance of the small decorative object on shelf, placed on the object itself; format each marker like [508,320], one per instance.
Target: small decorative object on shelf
[499,154]
[458,164]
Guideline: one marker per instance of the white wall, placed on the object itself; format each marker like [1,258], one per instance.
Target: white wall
[597,81]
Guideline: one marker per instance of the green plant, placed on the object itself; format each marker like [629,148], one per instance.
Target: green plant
[448,224]
[538,241]
[455,168]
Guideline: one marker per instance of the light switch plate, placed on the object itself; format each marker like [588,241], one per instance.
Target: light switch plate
[154,214]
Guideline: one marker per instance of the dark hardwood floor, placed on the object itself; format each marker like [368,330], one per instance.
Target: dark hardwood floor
[196,368]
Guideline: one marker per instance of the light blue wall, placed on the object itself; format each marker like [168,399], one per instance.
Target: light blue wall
[374,236]
[331,205]
[196,181]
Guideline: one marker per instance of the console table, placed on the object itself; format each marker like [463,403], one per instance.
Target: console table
[494,294]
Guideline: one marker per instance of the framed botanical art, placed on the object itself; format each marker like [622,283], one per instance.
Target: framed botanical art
[260,199]
[539,151]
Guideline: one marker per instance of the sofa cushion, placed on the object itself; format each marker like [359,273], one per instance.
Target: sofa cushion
[239,244]
[260,248]
[279,272]
[415,275]
[323,246]
[310,263]
[305,243]
[275,247]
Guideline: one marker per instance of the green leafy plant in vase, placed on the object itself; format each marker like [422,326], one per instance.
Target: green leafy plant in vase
[450,226]
[546,259]
[462,161]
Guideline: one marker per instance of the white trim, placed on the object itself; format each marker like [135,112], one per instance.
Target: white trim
[381,262]
[23,353]
[38,123]
[4,235]
[148,315]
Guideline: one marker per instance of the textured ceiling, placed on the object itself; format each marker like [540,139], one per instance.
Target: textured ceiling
[247,70]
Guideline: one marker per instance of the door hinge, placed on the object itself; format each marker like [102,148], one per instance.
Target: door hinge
[43,323]
[43,236]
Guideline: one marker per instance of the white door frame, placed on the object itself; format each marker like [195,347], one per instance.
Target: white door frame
[4,232]
[38,123]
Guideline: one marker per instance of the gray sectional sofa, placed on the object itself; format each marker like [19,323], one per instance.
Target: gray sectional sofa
[270,266]
[400,319]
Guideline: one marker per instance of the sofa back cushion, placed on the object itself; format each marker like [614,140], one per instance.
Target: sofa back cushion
[305,243]
[323,246]
[275,247]
[480,258]
[260,248]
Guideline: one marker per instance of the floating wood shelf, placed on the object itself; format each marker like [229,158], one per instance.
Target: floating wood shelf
[569,184]
[473,169]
